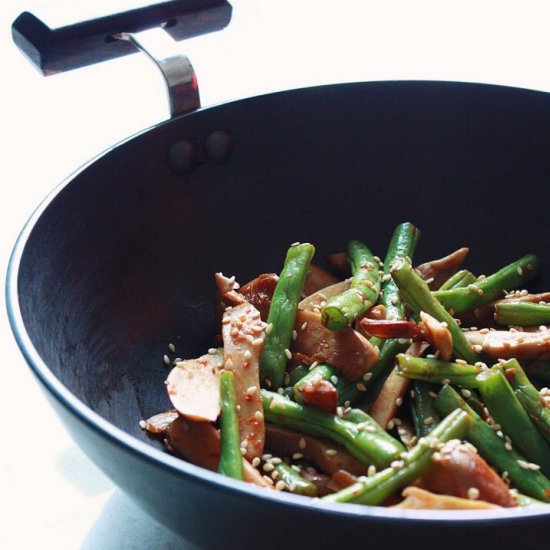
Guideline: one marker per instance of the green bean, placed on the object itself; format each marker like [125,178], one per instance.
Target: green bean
[231,460]
[528,396]
[294,482]
[436,371]
[417,294]
[297,373]
[424,413]
[490,288]
[368,447]
[460,279]
[413,464]
[342,309]
[506,410]
[358,416]
[282,314]
[495,449]
[522,313]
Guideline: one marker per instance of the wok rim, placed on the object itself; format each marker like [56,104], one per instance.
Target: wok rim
[158,458]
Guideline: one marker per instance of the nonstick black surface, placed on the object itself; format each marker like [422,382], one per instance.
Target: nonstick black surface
[121,261]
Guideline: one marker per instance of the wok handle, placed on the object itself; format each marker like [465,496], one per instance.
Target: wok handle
[73,34]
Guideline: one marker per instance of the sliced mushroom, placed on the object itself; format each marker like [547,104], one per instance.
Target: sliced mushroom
[438,335]
[459,471]
[420,499]
[315,301]
[326,455]
[318,278]
[319,393]
[347,350]
[158,423]
[243,340]
[194,386]
[438,271]
[505,344]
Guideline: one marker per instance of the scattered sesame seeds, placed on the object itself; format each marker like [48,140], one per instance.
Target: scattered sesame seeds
[473,493]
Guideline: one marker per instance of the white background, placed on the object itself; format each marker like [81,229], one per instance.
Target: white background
[52,496]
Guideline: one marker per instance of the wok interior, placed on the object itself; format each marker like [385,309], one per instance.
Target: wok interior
[121,262]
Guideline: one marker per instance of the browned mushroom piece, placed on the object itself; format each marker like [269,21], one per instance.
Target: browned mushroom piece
[506,344]
[438,335]
[318,278]
[243,341]
[438,271]
[420,499]
[347,350]
[459,471]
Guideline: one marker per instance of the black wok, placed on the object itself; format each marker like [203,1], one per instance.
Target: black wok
[117,262]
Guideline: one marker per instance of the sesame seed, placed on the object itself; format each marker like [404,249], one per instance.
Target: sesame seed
[432,394]
[166,360]
[508,446]
[367,376]
[391,425]
[523,464]
[172,348]
[212,351]
[302,443]
[461,362]
[371,470]
[288,354]
[228,363]
[295,244]
[519,271]
[334,379]
[397,464]
[258,415]
[533,467]
[361,387]
[269,328]
[331,452]
[280,485]
[243,450]
[142,424]
[304,326]
[276,460]
[340,411]
[428,420]
[403,340]
[256,461]
[247,354]
[466,393]
[398,401]
[268,467]
[257,342]
[268,382]
[297,456]
[473,493]
[445,381]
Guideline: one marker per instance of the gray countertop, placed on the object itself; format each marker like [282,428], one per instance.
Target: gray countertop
[53,496]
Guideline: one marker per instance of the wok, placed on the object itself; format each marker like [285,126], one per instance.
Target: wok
[117,262]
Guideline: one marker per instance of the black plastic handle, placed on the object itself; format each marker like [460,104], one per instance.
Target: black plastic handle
[71,35]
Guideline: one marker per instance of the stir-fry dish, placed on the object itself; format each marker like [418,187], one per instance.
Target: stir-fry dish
[380,383]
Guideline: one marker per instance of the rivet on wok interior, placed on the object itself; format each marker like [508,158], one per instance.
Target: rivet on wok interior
[217,146]
[182,156]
